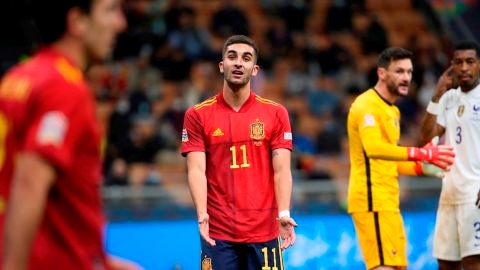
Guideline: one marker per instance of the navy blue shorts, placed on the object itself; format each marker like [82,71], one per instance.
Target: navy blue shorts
[242,256]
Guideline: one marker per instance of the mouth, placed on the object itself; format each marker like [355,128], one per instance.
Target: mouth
[237,73]
[464,77]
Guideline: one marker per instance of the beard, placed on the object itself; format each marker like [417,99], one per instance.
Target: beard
[394,89]
[234,83]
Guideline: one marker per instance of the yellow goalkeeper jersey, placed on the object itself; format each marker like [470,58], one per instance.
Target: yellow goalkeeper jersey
[375,157]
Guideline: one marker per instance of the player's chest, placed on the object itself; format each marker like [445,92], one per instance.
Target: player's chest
[238,127]
[391,124]
[463,111]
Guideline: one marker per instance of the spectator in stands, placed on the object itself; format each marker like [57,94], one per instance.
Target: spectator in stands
[229,20]
[50,171]
[454,113]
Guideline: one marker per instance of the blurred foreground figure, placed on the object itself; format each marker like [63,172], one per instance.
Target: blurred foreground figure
[50,155]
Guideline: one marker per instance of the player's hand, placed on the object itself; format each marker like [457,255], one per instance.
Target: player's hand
[287,231]
[203,227]
[444,83]
[116,263]
[441,156]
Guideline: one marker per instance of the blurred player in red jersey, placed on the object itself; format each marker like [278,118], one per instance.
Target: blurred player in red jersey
[238,148]
[50,162]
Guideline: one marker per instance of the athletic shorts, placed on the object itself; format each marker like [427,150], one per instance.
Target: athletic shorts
[382,238]
[457,232]
[241,256]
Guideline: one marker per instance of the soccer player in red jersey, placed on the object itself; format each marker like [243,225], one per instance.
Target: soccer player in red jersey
[50,161]
[238,149]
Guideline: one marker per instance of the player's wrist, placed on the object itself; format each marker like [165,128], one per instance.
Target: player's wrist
[418,168]
[283,213]
[433,108]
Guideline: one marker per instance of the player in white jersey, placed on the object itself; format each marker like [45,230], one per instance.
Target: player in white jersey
[455,112]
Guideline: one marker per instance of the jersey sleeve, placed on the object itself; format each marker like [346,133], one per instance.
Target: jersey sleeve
[192,138]
[442,104]
[371,137]
[56,127]
[406,167]
[282,135]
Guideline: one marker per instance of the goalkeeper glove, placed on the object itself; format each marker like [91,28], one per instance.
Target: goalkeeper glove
[438,155]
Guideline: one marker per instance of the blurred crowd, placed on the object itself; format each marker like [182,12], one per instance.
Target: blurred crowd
[315,57]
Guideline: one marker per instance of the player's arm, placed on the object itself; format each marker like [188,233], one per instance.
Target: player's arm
[419,168]
[430,128]
[197,182]
[282,176]
[32,181]
[376,147]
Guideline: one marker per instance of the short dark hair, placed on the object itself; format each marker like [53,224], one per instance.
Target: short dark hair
[468,45]
[392,54]
[50,16]
[240,39]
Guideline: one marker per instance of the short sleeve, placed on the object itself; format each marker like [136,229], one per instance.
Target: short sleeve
[56,113]
[282,135]
[192,133]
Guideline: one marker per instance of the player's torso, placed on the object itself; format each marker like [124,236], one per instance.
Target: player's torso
[462,119]
[74,201]
[238,150]
[238,146]
[373,182]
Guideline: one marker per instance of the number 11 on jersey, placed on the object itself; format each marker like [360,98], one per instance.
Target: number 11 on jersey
[245,163]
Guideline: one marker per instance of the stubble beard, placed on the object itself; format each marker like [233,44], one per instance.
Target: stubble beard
[394,89]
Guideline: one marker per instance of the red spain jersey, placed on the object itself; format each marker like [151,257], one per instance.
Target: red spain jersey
[238,146]
[47,108]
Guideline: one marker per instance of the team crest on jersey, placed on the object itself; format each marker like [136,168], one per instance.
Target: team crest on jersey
[460,110]
[207,263]
[257,130]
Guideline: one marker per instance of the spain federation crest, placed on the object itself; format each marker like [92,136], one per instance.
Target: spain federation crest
[460,110]
[257,130]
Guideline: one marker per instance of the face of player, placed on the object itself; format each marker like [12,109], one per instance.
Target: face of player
[105,21]
[466,68]
[238,65]
[398,76]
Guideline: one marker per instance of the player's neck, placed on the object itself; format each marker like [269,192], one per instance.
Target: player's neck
[384,93]
[72,50]
[236,97]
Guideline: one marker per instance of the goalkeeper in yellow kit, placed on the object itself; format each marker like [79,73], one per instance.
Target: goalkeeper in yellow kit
[377,160]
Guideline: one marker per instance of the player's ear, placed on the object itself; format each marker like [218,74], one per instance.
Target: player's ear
[255,70]
[381,72]
[76,22]
[220,66]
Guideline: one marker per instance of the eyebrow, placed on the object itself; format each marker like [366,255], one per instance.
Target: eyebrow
[245,53]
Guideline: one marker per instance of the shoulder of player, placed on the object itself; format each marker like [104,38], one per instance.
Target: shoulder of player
[365,99]
[267,102]
[53,73]
[204,104]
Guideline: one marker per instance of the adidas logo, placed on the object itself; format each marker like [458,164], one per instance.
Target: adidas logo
[217,132]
